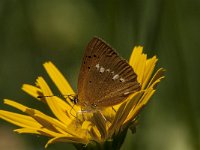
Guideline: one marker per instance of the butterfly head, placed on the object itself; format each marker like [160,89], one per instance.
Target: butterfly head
[73,98]
[84,104]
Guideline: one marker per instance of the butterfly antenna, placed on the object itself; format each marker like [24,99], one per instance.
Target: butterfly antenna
[43,96]
[59,95]
[70,97]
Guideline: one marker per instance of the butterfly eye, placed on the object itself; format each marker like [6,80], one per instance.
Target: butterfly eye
[89,68]
[94,105]
[95,55]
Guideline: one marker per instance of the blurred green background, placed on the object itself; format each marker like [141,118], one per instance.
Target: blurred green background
[32,32]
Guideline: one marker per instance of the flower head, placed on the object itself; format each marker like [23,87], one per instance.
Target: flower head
[97,127]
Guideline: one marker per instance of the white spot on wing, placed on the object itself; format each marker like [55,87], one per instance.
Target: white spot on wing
[126,93]
[108,70]
[97,66]
[122,80]
[115,77]
[102,69]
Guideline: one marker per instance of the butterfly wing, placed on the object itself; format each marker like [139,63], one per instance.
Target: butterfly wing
[105,79]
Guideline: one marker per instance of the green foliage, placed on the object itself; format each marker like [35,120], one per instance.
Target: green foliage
[32,32]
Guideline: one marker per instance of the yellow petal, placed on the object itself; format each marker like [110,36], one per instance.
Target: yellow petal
[110,112]
[68,129]
[158,75]
[132,105]
[87,125]
[124,111]
[32,90]
[138,62]
[59,80]
[135,56]
[150,65]
[50,123]
[100,122]
[35,92]
[44,120]
[147,95]
[95,134]
[19,120]
[113,126]
[27,130]
[53,102]
[49,133]
[142,67]
[66,139]
[15,105]
[142,102]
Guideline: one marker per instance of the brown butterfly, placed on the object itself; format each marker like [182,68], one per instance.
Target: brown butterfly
[105,79]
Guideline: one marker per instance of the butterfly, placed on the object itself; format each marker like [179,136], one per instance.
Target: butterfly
[105,79]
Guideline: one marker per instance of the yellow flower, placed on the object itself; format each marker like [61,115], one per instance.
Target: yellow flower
[99,127]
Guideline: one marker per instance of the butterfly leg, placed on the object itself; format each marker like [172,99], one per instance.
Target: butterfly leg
[77,119]
[71,111]
[103,116]
[83,111]
[78,113]
[113,109]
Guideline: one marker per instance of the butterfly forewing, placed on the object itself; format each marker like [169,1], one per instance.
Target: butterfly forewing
[105,79]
